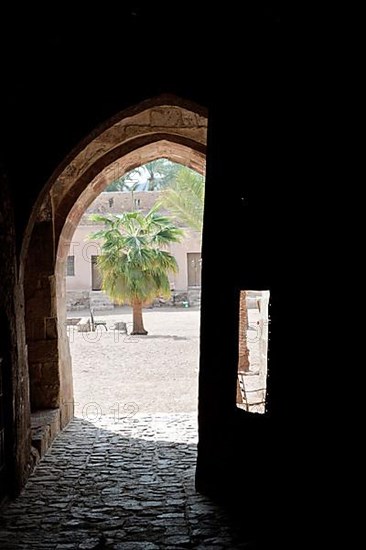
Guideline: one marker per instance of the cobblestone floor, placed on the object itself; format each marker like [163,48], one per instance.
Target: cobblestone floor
[124,484]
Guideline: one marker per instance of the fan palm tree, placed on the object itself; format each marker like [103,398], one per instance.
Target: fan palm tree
[185,198]
[134,262]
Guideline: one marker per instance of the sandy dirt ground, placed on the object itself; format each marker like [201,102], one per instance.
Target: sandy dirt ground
[120,375]
[117,374]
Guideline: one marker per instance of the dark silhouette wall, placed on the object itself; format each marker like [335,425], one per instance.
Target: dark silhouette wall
[69,78]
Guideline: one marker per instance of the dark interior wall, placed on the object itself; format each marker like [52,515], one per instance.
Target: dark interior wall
[71,76]
[249,218]
[15,417]
[66,77]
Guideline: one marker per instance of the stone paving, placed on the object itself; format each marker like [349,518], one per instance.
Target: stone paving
[119,483]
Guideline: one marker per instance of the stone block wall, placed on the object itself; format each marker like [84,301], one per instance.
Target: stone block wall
[66,395]
[16,413]
[41,319]
[77,300]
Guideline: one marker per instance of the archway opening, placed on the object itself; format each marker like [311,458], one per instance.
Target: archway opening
[165,127]
[116,371]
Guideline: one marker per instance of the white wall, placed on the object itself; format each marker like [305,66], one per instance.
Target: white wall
[82,248]
[191,243]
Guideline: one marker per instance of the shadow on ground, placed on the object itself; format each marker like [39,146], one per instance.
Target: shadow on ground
[101,487]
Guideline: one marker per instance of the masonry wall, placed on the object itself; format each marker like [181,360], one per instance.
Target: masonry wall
[16,413]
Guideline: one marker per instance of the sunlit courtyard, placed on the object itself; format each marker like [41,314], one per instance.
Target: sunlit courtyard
[118,374]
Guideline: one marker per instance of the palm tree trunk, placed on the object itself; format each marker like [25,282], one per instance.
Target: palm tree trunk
[151,184]
[138,323]
[243,327]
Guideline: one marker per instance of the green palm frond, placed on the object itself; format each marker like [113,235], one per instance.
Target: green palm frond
[134,263]
[185,198]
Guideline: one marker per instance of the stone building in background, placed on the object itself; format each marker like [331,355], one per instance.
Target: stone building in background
[83,279]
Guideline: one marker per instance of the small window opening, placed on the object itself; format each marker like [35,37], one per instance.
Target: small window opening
[70,266]
[253,350]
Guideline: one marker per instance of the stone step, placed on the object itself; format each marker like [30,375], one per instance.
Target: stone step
[45,425]
[77,300]
[100,301]
[194,296]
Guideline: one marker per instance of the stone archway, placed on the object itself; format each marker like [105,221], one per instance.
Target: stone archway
[163,127]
